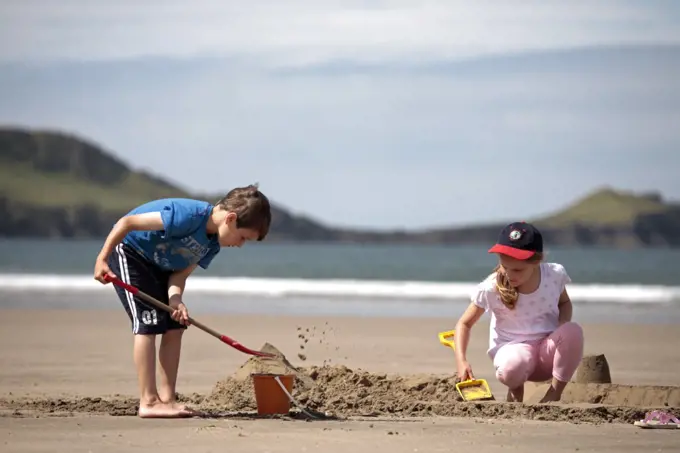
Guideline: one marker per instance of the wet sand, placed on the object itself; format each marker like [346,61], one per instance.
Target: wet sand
[64,375]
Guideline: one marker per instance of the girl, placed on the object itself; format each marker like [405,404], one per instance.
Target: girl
[531,335]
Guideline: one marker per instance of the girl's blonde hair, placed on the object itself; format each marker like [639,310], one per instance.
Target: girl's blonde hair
[508,293]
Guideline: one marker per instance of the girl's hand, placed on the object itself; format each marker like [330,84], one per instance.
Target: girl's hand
[465,371]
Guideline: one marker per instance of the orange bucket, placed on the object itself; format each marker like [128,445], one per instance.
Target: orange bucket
[270,398]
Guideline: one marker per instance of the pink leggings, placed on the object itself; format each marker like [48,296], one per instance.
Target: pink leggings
[557,355]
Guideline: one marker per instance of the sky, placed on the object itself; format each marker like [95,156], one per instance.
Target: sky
[383,114]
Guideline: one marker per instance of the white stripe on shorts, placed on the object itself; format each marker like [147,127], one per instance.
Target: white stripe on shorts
[122,261]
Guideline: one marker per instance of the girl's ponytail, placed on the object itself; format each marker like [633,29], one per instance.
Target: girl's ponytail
[507,293]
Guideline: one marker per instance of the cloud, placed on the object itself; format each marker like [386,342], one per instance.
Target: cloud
[380,146]
[382,113]
[304,32]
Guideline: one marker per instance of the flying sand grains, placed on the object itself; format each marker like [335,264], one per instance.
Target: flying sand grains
[324,345]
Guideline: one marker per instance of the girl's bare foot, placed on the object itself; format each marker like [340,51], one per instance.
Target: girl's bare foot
[554,392]
[551,395]
[515,395]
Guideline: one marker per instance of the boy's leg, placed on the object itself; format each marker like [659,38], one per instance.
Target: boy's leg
[168,357]
[559,356]
[146,322]
[144,355]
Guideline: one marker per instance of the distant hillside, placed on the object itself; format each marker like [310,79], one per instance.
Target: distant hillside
[57,185]
[616,218]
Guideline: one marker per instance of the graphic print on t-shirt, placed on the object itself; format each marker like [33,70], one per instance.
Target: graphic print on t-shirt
[184,240]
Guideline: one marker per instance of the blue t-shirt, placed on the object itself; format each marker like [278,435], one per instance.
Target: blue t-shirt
[183,241]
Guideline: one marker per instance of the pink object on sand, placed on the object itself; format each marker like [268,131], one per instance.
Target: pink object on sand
[659,420]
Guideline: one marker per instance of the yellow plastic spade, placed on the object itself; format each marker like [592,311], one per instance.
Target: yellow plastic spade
[472,389]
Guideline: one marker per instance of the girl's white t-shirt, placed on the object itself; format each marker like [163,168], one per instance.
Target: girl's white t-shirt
[535,316]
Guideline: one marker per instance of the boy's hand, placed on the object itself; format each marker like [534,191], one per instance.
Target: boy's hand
[101,269]
[181,314]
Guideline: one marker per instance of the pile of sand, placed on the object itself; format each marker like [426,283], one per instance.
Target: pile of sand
[337,389]
[340,390]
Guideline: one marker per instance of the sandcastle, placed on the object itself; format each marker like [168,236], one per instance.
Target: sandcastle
[593,369]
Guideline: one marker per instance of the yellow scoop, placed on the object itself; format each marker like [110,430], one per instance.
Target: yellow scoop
[472,389]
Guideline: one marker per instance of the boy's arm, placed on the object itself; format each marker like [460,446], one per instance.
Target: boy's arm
[176,284]
[565,308]
[150,221]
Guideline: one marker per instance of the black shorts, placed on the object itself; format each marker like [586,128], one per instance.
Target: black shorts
[134,269]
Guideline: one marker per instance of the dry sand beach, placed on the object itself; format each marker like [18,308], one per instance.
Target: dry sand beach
[67,384]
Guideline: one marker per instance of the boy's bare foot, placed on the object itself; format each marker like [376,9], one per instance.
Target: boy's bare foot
[178,406]
[173,402]
[185,409]
[164,410]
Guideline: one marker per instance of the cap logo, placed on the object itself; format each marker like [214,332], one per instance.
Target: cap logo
[515,235]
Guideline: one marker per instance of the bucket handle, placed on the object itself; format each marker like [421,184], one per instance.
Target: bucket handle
[290,397]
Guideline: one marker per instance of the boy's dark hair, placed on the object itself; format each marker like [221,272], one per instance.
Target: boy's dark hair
[251,207]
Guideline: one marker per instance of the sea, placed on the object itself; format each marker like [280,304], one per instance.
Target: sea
[608,285]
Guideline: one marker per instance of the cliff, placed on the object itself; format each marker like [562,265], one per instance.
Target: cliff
[56,185]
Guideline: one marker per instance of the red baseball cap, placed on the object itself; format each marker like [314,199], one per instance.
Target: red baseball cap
[519,240]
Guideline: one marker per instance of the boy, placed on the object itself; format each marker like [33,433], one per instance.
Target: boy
[155,247]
